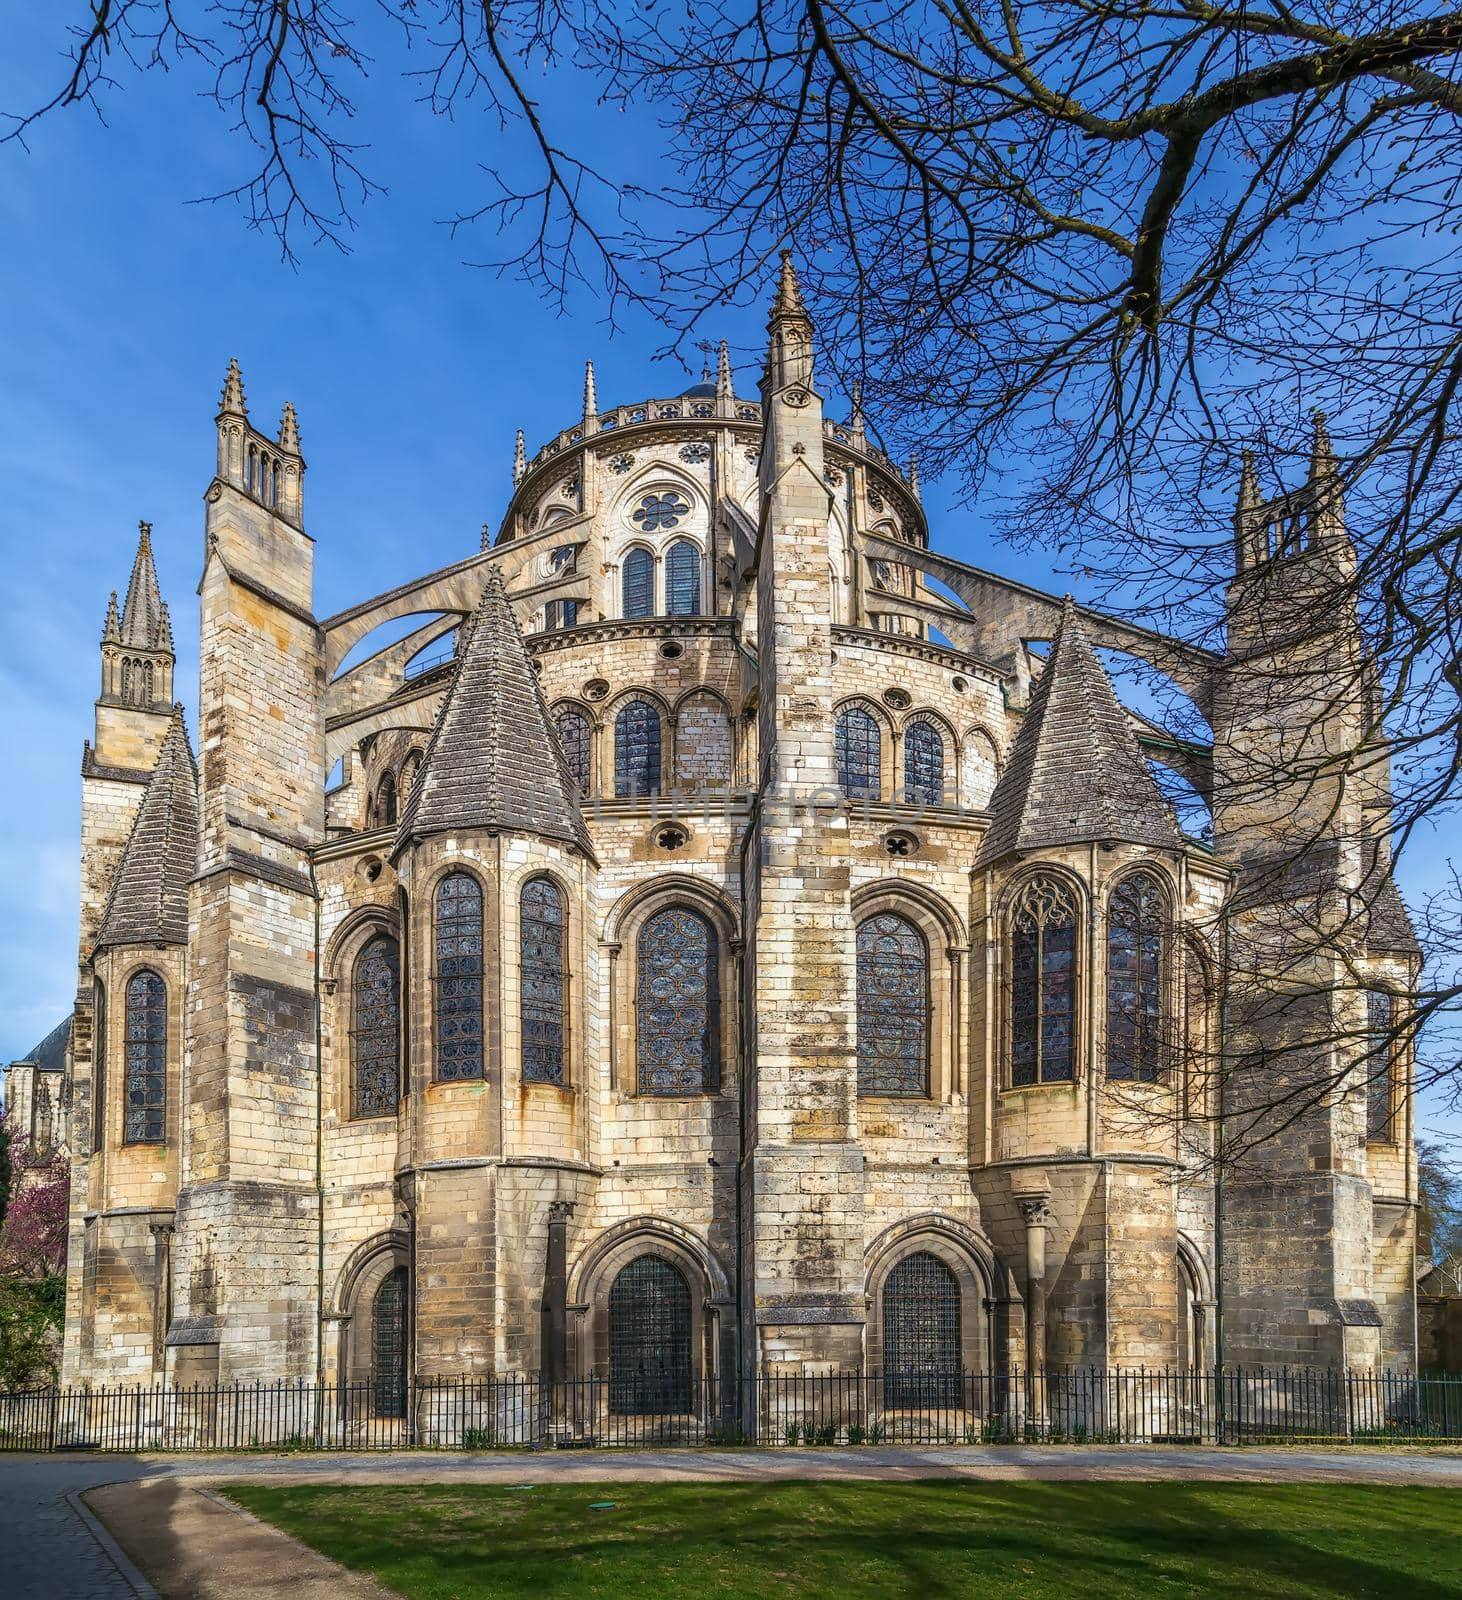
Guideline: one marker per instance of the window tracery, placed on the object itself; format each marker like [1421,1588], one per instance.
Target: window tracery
[638,583]
[893,1007]
[376,1028]
[573,731]
[923,765]
[542,927]
[1135,977]
[458,978]
[637,750]
[144,1116]
[676,994]
[858,743]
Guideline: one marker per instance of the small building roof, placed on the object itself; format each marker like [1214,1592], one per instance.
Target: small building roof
[50,1054]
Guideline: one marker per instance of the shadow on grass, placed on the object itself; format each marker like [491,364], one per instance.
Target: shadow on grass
[855,1541]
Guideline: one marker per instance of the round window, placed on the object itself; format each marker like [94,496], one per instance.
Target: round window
[657,511]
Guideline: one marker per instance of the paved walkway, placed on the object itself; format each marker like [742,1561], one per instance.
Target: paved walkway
[50,1550]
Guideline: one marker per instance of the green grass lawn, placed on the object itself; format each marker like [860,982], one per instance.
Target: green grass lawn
[848,1541]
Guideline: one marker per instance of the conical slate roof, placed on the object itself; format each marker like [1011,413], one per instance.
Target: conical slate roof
[1075,772]
[142,615]
[494,761]
[149,899]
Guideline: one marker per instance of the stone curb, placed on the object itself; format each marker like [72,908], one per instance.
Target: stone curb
[114,1552]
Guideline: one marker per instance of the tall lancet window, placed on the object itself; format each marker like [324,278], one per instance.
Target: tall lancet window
[1379,1066]
[376,1028]
[1043,985]
[675,1003]
[386,802]
[638,581]
[144,1114]
[893,1007]
[923,765]
[542,976]
[572,727]
[859,747]
[683,579]
[637,750]
[1135,978]
[459,978]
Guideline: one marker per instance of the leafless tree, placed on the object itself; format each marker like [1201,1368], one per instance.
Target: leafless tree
[1111,242]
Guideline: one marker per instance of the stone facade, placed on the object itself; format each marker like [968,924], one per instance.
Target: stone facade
[650,985]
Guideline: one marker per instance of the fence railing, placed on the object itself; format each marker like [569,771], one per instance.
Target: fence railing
[1076,1405]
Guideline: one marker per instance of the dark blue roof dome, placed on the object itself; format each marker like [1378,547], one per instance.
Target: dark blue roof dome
[700,391]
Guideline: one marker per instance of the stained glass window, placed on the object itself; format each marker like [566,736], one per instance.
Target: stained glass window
[573,735]
[657,511]
[893,1007]
[649,1339]
[858,747]
[145,1106]
[1379,1065]
[1134,979]
[637,750]
[541,973]
[923,765]
[459,978]
[638,580]
[921,1339]
[676,1003]
[376,1028]
[388,1345]
[683,579]
[1043,985]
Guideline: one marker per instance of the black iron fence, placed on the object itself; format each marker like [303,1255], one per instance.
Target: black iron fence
[1076,1406]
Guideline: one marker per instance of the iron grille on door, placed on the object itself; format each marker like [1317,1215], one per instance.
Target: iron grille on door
[649,1340]
[388,1345]
[921,1345]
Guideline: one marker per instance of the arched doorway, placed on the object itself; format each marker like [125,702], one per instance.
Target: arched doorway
[649,1339]
[921,1333]
[388,1345]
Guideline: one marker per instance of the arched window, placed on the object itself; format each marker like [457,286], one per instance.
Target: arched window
[921,1333]
[145,1106]
[409,769]
[893,1007]
[386,802]
[1135,979]
[638,583]
[637,750]
[375,990]
[459,978]
[923,765]
[573,735]
[675,1033]
[649,1339]
[388,1345]
[147,682]
[858,747]
[541,974]
[1043,985]
[127,679]
[683,579]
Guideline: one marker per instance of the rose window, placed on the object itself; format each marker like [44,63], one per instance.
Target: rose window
[657,511]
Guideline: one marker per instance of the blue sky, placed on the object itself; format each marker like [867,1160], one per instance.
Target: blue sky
[120,305]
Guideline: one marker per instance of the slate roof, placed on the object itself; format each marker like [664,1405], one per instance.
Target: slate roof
[148,903]
[494,761]
[1390,926]
[1075,772]
[144,617]
[50,1054]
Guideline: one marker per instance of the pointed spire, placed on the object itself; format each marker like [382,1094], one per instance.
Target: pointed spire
[112,628]
[1322,456]
[724,387]
[856,424]
[788,302]
[164,637]
[1075,773]
[1248,484]
[486,538]
[494,761]
[914,477]
[289,430]
[148,902]
[591,402]
[520,460]
[233,392]
[143,606]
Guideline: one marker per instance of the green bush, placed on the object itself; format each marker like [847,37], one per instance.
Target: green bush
[32,1311]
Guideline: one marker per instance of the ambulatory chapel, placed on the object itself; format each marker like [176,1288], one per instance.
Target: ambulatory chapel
[718,934]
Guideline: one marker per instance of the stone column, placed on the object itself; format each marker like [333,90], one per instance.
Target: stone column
[553,1364]
[1033,1196]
